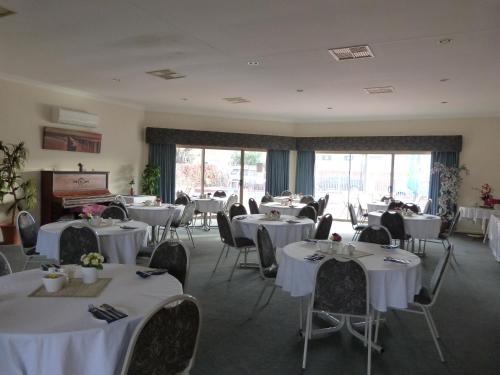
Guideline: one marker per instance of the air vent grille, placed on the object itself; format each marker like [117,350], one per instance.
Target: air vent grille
[236,100]
[351,53]
[166,74]
[4,12]
[379,90]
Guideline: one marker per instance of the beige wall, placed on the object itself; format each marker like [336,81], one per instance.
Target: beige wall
[25,109]
[480,152]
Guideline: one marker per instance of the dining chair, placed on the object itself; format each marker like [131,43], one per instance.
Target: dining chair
[286,193]
[315,205]
[254,209]
[412,207]
[375,234]
[427,207]
[242,244]
[174,257]
[321,206]
[28,232]
[324,227]
[444,237]
[220,194]
[5,268]
[114,212]
[237,209]
[341,288]
[354,222]
[395,204]
[233,198]
[184,222]
[307,199]
[427,298]
[309,212]
[268,266]
[267,198]
[120,204]
[166,340]
[385,198]
[394,222]
[182,199]
[327,199]
[76,240]
[362,211]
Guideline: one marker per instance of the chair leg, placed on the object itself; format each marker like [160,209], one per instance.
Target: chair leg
[431,319]
[306,338]
[190,235]
[270,296]
[254,310]
[429,323]
[369,364]
[235,264]
[375,340]
[220,256]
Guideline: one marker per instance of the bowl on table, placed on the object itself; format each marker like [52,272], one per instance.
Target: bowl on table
[53,282]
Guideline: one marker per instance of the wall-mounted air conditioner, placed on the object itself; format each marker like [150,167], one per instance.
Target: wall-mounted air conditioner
[76,118]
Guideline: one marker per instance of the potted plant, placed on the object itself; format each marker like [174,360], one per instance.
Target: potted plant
[450,181]
[23,193]
[91,262]
[151,180]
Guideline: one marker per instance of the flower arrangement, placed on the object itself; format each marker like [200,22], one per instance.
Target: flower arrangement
[94,260]
[485,192]
[336,237]
[273,215]
[91,210]
[450,181]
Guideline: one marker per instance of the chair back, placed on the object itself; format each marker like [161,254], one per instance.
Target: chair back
[182,199]
[266,199]
[4,266]
[187,214]
[385,198]
[237,209]
[119,199]
[26,226]
[315,205]
[120,204]
[308,211]
[267,253]
[394,222]
[322,205]
[412,207]
[220,194]
[376,234]
[327,199]
[427,207]
[341,287]
[437,276]
[113,212]
[174,257]
[75,241]
[395,204]
[286,193]
[225,232]
[352,215]
[254,209]
[307,199]
[453,226]
[166,340]
[324,226]
[233,198]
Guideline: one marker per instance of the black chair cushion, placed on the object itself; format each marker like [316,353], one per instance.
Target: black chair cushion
[270,271]
[244,242]
[424,297]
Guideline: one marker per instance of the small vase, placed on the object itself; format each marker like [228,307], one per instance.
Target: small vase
[89,275]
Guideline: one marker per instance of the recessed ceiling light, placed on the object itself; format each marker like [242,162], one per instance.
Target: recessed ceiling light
[166,74]
[379,90]
[300,90]
[351,53]
[116,79]
[444,80]
[236,100]
[329,108]
[444,102]
[445,41]
[185,99]
[4,12]
[253,63]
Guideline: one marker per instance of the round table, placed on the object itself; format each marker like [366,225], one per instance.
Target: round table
[57,335]
[207,206]
[117,245]
[281,232]
[376,206]
[418,226]
[293,210]
[391,284]
[295,199]
[154,215]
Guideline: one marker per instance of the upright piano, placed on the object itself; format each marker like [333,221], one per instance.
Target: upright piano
[64,192]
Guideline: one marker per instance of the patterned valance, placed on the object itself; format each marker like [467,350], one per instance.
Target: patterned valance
[276,142]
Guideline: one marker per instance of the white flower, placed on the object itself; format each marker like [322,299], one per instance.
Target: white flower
[85,262]
[95,262]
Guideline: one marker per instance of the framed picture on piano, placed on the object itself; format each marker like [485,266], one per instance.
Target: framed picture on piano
[71,140]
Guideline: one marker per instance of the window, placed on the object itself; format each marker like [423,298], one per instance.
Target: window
[188,170]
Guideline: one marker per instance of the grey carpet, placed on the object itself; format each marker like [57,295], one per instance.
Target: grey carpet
[466,314]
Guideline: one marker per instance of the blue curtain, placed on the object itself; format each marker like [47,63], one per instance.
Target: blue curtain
[163,156]
[304,180]
[277,162]
[448,158]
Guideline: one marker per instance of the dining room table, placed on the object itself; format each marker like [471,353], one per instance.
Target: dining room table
[120,241]
[493,235]
[208,206]
[418,226]
[376,206]
[155,216]
[285,209]
[47,335]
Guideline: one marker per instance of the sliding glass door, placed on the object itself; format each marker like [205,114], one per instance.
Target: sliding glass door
[188,170]
[254,176]
[222,171]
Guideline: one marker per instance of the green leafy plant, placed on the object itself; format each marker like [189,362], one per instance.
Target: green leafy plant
[24,193]
[151,180]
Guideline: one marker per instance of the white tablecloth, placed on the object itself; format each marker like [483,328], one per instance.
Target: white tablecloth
[281,232]
[391,284]
[494,236]
[279,199]
[208,205]
[476,213]
[285,210]
[417,226]
[131,199]
[117,245]
[49,336]
[376,206]
[155,215]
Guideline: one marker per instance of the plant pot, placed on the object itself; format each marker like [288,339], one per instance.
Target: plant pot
[9,234]
[89,275]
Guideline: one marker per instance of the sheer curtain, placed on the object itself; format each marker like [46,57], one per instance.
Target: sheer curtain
[277,162]
[163,156]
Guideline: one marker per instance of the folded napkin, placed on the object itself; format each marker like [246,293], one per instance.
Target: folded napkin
[396,260]
[310,240]
[314,257]
[241,218]
[127,227]
[106,312]
[146,274]
[389,246]
[301,217]
[292,221]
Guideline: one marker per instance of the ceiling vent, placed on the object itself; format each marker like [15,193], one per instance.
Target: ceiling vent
[236,100]
[166,74]
[4,12]
[351,53]
[379,90]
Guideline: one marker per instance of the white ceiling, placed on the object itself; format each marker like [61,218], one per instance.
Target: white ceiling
[85,44]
